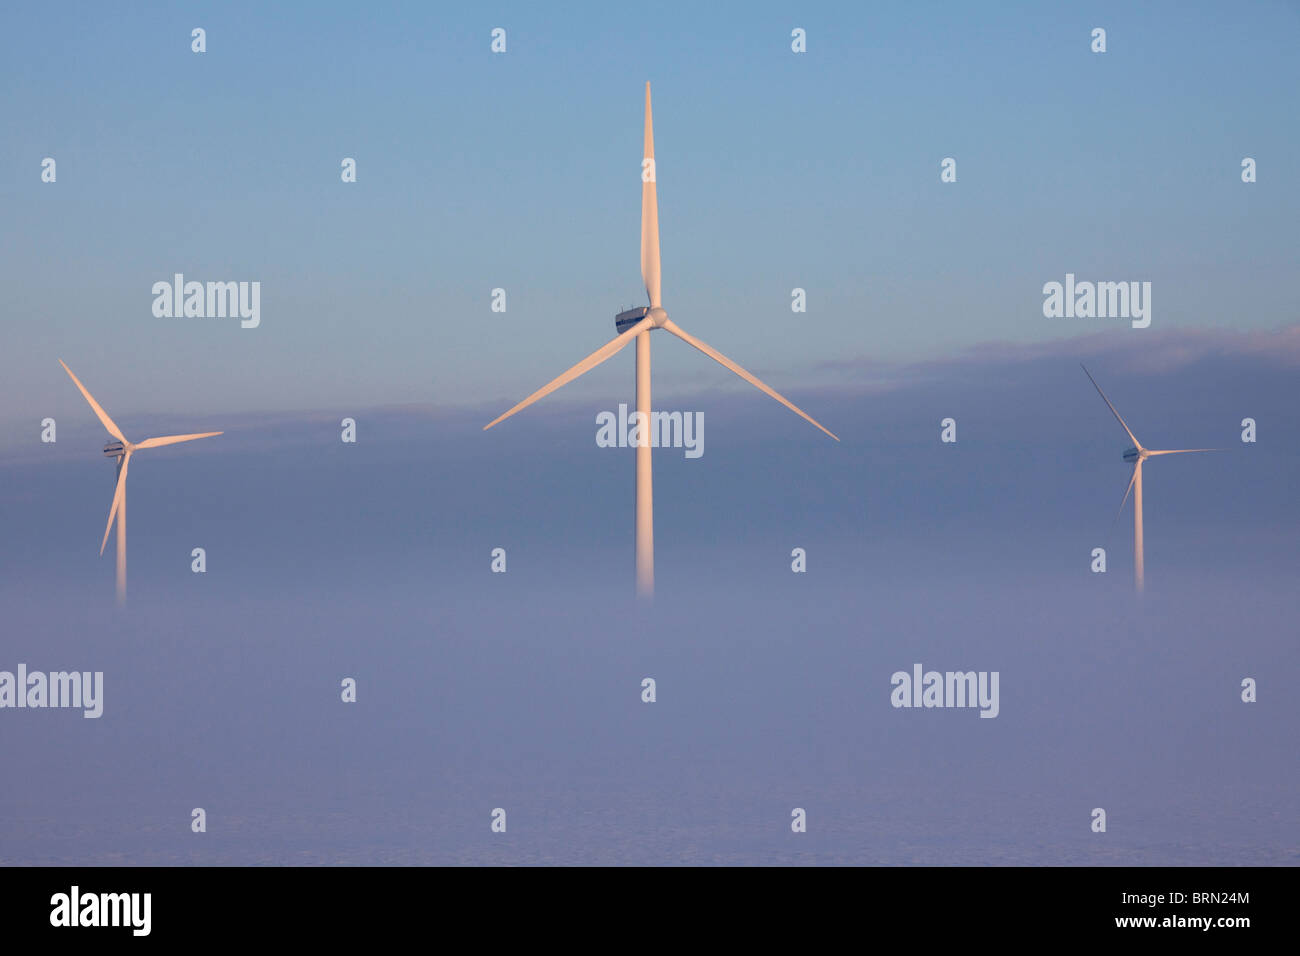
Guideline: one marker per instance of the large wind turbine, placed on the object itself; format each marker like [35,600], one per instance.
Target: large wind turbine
[1136,455]
[122,450]
[637,324]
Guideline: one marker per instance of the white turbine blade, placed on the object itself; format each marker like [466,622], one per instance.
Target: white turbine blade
[1182,451]
[650,213]
[1127,492]
[95,407]
[173,439]
[586,365]
[119,494]
[1112,407]
[722,360]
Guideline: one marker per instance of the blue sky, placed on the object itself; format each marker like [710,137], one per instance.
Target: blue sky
[519,171]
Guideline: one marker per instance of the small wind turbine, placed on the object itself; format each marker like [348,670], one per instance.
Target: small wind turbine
[637,324]
[1137,455]
[122,450]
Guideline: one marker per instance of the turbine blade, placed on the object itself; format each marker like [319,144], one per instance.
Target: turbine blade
[722,360]
[173,439]
[1112,407]
[1127,491]
[586,365]
[650,212]
[95,407]
[119,495]
[1182,451]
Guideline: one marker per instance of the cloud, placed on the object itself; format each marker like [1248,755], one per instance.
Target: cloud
[1143,351]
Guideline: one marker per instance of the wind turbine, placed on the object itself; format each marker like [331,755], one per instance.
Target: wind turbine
[1136,455]
[638,324]
[122,450]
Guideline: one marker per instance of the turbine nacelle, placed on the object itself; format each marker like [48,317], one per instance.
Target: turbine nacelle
[1132,455]
[625,320]
[115,449]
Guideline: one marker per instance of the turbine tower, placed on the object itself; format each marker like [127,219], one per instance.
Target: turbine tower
[1136,455]
[638,324]
[122,450]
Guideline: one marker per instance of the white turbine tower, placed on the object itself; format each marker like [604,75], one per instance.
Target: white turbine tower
[122,450]
[637,324]
[1136,455]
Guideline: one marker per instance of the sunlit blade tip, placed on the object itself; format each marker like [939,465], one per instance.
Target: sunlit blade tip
[586,365]
[1110,406]
[1127,491]
[650,268]
[174,439]
[727,363]
[95,406]
[119,494]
